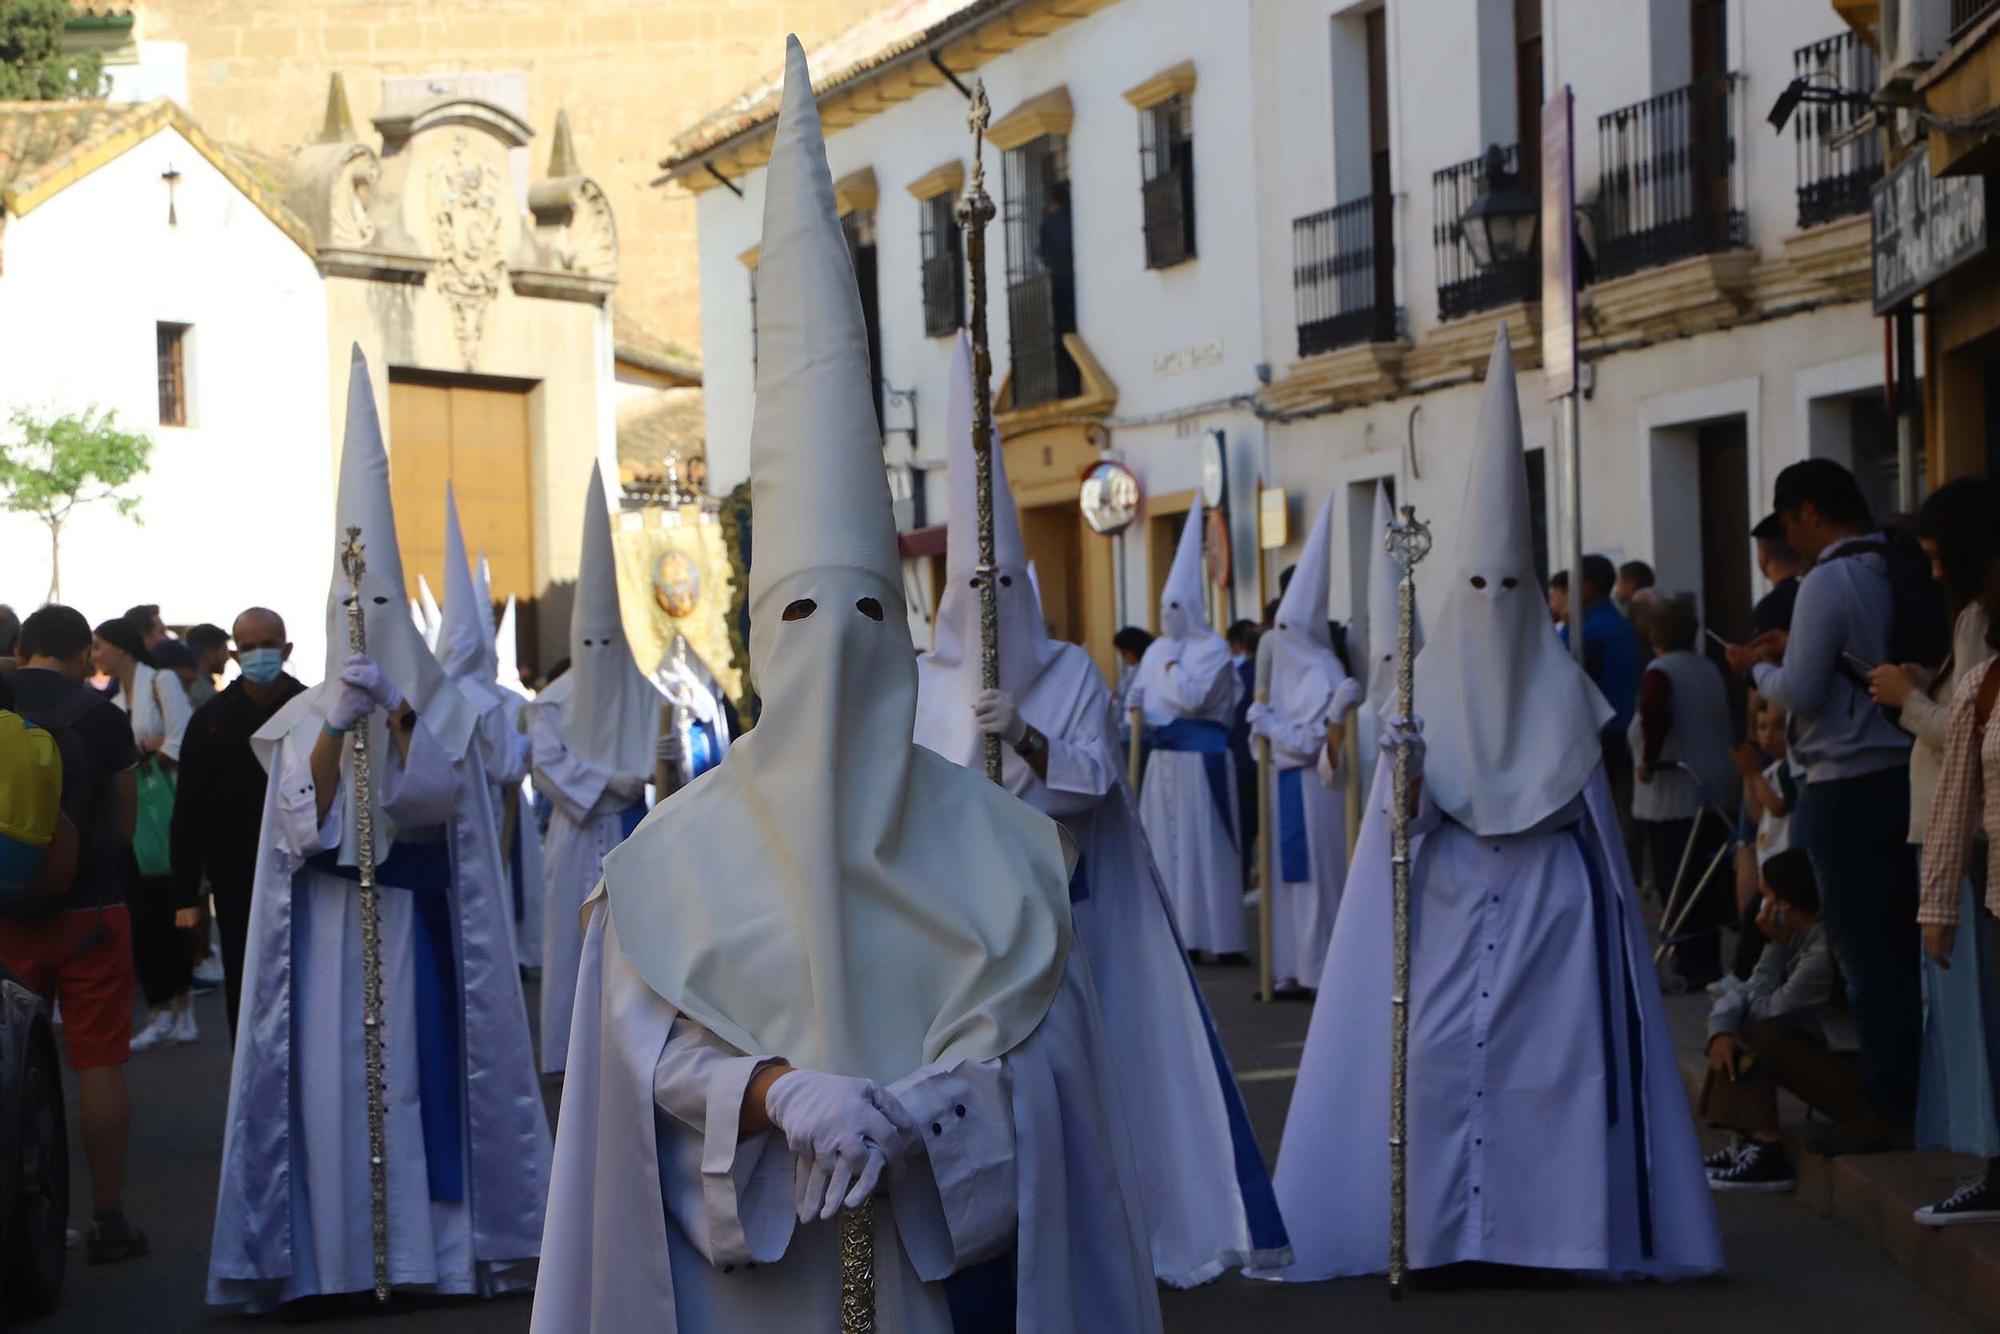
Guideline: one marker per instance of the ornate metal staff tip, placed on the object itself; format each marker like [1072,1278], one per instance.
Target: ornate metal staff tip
[980,113]
[351,562]
[1408,539]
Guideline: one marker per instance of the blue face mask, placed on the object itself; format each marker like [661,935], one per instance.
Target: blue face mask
[261,666]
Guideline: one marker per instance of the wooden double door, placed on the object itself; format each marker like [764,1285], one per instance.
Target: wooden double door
[472,432]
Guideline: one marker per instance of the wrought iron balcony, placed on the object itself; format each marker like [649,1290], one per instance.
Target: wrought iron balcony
[1965,13]
[1667,189]
[1463,286]
[1834,181]
[1342,294]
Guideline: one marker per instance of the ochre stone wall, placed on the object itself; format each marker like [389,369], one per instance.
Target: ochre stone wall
[632,73]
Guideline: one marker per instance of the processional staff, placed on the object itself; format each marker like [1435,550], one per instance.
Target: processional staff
[353,564]
[1407,543]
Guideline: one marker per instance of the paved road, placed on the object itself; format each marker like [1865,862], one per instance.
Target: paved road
[1792,1270]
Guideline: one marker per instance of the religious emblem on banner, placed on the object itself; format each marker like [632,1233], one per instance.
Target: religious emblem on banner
[676,584]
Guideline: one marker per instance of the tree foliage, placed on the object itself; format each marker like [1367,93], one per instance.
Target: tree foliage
[51,464]
[33,65]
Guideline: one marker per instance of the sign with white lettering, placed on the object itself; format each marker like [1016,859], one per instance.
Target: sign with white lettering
[1923,227]
[1559,245]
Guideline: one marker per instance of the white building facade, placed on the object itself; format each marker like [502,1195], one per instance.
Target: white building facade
[1263,199]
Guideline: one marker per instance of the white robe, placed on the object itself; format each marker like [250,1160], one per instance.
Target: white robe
[661,1219]
[1180,1100]
[589,821]
[1304,911]
[1535,1136]
[506,753]
[293,1212]
[1192,838]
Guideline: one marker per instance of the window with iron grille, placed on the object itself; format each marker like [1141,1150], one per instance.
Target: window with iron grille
[943,248]
[170,340]
[859,226]
[1166,163]
[1041,270]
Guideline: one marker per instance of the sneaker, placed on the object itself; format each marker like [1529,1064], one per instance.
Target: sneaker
[112,1239]
[183,1026]
[1974,1203]
[1760,1169]
[1723,1158]
[209,972]
[158,1031]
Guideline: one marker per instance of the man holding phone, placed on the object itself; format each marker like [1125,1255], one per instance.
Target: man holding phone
[1853,815]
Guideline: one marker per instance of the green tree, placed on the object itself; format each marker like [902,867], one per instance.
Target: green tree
[33,65]
[54,464]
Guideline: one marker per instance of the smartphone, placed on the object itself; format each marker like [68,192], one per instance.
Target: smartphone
[1717,639]
[1856,662]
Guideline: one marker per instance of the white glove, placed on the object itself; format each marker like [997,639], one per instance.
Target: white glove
[1258,715]
[1135,700]
[996,715]
[844,1131]
[626,787]
[668,749]
[1397,732]
[350,705]
[1346,696]
[362,672]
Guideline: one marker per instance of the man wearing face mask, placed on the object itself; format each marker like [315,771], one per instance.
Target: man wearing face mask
[466,1136]
[219,803]
[1548,1126]
[593,735]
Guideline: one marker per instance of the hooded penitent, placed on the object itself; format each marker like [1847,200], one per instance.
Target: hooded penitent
[394,642]
[832,892]
[465,632]
[506,657]
[950,671]
[1197,651]
[1304,669]
[1510,719]
[611,712]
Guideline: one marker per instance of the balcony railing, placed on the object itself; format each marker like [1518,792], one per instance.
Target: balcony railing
[1668,185]
[1965,13]
[1464,287]
[1336,281]
[1834,181]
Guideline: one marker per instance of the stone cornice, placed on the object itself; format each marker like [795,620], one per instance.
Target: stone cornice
[561,284]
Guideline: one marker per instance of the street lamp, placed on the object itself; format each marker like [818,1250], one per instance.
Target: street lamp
[1499,225]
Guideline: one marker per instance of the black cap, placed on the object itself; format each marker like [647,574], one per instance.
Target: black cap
[1769,529]
[171,653]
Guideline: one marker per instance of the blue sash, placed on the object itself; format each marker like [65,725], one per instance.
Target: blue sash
[1210,740]
[424,870]
[1609,935]
[704,748]
[628,819]
[982,1297]
[1079,880]
[514,883]
[1295,865]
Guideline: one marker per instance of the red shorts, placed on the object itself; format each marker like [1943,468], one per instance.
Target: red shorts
[81,960]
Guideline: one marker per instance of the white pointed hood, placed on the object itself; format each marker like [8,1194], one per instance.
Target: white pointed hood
[362,501]
[1305,671]
[462,643]
[1186,639]
[831,891]
[611,713]
[949,675]
[507,654]
[1375,645]
[433,615]
[1510,719]
[489,634]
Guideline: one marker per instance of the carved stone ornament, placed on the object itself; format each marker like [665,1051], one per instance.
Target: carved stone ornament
[466,195]
[588,244]
[349,224]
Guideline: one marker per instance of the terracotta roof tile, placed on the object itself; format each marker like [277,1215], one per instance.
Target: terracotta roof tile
[668,421]
[39,137]
[637,345]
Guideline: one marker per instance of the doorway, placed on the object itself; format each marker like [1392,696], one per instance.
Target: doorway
[1165,516]
[1055,548]
[1723,454]
[472,432]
